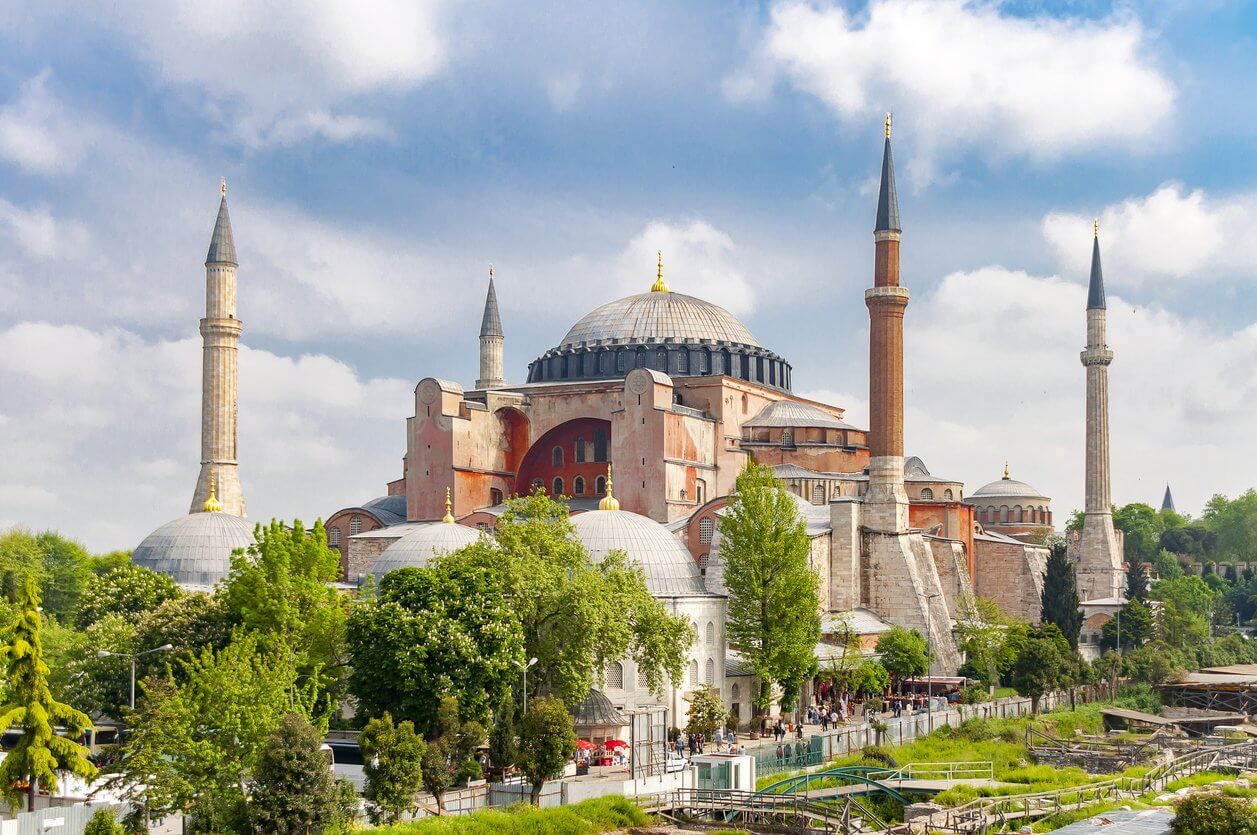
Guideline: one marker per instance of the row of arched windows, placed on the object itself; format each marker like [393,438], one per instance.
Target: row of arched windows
[1005,515]
[927,494]
[603,363]
[578,485]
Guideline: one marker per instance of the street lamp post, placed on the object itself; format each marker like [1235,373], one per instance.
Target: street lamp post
[524,667]
[929,657]
[133,655]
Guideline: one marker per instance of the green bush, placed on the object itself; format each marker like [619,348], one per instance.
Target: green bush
[974,694]
[103,823]
[1141,697]
[602,814]
[1212,814]
[977,730]
[872,706]
[878,754]
[957,795]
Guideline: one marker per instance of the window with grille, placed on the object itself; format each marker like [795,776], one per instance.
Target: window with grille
[947,494]
[702,564]
[578,486]
[709,672]
[693,673]
[600,444]
[818,494]
[495,496]
[600,485]
[711,632]
[642,683]
[927,494]
[333,537]
[615,676]
[706,528]
[580,450]
[355,525]
[556,456]
[558,487]
[735,693]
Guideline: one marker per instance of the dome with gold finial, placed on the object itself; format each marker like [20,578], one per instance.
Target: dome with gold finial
[666,564]
[609,501]
[419,546]
[212,504]
[195,550]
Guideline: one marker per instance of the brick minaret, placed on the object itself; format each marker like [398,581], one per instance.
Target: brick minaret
[886,502]
[1099,549]
[220,336]
[491,342]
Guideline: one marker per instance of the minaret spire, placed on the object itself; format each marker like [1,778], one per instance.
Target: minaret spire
[219,479]
[491,341]
[1167,502]
[887,199]
[1095,288]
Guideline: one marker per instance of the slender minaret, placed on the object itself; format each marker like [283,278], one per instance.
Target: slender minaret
[220,336]
[886,503]
[491,341]
[1099,561]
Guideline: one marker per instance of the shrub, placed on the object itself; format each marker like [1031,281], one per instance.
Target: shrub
[874,706]
[878,754]
[957,795]
[974,694]
[976,730]
[102,823]
[602,814]
[1211,814]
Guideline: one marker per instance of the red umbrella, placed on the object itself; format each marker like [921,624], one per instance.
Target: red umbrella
[612,744]
[585,745]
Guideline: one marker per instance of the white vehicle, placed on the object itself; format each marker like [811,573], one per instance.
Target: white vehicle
[675,762]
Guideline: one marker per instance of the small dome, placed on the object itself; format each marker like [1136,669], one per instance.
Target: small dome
[195,550]
[669,569]
[654,317]
[390,510]
[1006,488]
[791,414]
[417,547]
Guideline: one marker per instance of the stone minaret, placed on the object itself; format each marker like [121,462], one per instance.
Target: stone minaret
[491,342]
[1099,554]
[886,504]
[220,336]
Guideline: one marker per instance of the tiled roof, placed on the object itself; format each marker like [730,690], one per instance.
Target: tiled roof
[656,317]
[789,413]
[390,510]
[597,711]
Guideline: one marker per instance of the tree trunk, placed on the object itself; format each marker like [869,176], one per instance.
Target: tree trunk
[1072,696]
[1034,704]
[30,794]
[440,803]
[536,793]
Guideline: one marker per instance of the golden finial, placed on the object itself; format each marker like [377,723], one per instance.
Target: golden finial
[888,125]
[659,286]
[609,501]
[212,504]
[448,518]
[1005,469]
[490,272]
[1096,227]
[222,185]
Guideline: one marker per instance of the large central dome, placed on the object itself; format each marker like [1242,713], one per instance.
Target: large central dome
[658,317]
[674,333]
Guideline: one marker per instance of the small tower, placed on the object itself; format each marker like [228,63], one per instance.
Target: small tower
[491,341]
[1167,501]
[220,338]
[1099,547]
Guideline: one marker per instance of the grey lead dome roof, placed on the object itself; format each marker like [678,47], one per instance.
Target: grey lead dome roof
[195,550]
[1006,487]
[669,569]
[654,317]
[417,547]
[788,413]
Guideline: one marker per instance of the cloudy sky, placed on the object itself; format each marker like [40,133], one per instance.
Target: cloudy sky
[381,153]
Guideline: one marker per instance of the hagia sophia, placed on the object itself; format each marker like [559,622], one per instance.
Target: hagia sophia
[642,415]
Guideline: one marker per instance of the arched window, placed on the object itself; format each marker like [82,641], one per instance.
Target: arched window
[578,486]
[333,537]
[600,485]
[557,487]
[818,493]
[615,676]
[495,496]
[927,494]
[556,456]
[700,490]
[1003,514]
[711,632]
[661,360]
[706,527]
[693,673]
[580,450]
[702,564]
[744,404]
[1018,513]
[683,362]
[642,683]
[735,693]
[709,672]
[948,495]
[787,437]
[622,360]
[355,525]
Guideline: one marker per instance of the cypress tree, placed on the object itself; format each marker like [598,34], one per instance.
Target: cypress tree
[39,753]
[1136,581]
[1060,595]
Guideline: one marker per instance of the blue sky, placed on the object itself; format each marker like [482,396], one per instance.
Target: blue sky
[380,155]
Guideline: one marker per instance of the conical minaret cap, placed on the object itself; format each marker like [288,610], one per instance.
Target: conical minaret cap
[222,248]
[887,200]
[1095,290]
[491,324]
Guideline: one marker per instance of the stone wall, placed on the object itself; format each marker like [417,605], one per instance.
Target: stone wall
[1011,574]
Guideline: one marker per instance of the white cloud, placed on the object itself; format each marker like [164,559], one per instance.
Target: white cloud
[38,233]
[1171,233]
[101,426]
[275,69]
[993,375]
[963,74]
[35,132]
[562,90]
[698,260]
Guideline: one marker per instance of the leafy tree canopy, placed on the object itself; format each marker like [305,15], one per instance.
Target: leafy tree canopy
[1234,523]
[450,749]
[1136,624]
[904,653]
[1142,526]
[394,766]
[292,792]
[547,741]
[1060,595]
[707,712]
[129,590]
[1038,667]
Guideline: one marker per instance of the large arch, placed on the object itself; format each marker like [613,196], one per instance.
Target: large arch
[538,462]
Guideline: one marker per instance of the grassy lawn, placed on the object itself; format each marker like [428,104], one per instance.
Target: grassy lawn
[588,817]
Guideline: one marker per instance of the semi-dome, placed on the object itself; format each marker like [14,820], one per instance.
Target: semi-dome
[416,548]
[669,569]
[195,550]
[1007,488]
[656,317]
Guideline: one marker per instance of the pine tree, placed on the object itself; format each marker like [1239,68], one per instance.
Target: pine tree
[40,753]
[1060,595]
[1136,581]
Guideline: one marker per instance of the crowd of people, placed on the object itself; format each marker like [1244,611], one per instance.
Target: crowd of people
[725,742]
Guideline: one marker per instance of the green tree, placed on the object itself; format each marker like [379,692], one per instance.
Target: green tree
[576,616]
[1213,814]
[450,746]
[1151,664]
[1234,523]
[66,573]
[1141,526]
[152,770]
[281,588]
[1136,581]
[394,767]
[547,741]
[1075,521]
[292,789]
[773,615]
[502,737]
[904,653]
[1166,566]
[40,752]
[1060,595]
[1187,606]
[129,590]
[981,630]
[1136,624]
[870,678]
[103,822]
[445,630]
[707,712]
[1038,668]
